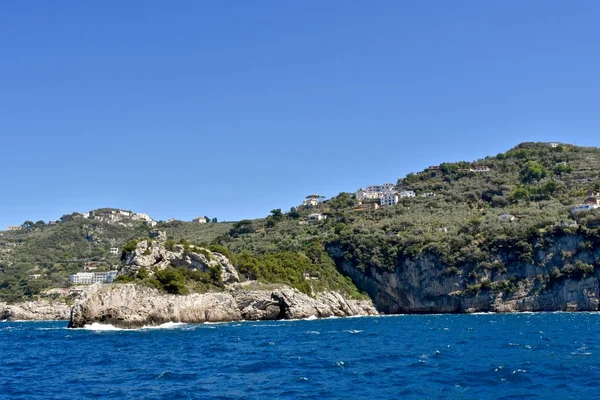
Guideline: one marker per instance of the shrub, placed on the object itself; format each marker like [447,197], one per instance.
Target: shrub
[170,245]
[123,279]
[172,280]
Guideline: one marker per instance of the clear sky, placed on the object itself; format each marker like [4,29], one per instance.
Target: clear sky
[232,108]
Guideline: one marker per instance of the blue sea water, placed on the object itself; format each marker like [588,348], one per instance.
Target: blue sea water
[487,356]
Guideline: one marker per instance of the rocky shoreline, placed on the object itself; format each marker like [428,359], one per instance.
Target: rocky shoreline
[133,306]
[41,310]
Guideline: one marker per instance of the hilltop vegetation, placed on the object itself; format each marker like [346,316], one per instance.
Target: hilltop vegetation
[459,226]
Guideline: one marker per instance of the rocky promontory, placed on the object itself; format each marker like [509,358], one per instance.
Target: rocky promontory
[162,276]
[132,306]
[42,310]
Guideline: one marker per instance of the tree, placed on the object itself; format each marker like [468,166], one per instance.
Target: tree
[294,214]
[520,193]
[533,171]
[277,215]
[242,227]
[214,220]
[27,224]
[172,280]
[40,223]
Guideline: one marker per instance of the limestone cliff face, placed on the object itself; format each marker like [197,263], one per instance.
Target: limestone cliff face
[153,254]
[420,285]
[130,306]
[35,311]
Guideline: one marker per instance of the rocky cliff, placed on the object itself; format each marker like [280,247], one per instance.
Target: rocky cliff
[35,311]
[156,253]
[137,304]
[561,276]
[131,305]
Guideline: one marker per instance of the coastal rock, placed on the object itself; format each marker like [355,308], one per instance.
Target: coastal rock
[154,253]
[41,310]
[420,284]
[130,305]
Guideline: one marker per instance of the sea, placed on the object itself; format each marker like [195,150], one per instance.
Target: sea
[480,356]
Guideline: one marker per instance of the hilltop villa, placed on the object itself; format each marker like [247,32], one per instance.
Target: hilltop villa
[312,200]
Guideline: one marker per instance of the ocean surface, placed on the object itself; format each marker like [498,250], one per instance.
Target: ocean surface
[486,356]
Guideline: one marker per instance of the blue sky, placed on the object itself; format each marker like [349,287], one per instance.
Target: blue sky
[231,109]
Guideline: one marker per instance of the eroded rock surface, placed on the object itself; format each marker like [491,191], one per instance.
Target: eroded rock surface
[42,310]
[153,253]
[130,306]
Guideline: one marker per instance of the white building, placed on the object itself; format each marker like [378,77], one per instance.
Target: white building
[363,195]
[389,199]
[507,217]
[554,144]
[480,168]
[114,250]
[429,194]
[15,228]
[143,217]
[386,187]
[312,200]
[200,220]
[407,193]
[316,217]
[583,207]
[89,278]
[375,192]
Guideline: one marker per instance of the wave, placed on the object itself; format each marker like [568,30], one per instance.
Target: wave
[353,331]
[102,327]
[166,325]
[98,327]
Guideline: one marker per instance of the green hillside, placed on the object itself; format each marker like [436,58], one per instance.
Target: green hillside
[458,224]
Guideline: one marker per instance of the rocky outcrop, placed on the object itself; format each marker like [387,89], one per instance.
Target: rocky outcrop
[423,285]
[156,254]
[130,306]
[35,311]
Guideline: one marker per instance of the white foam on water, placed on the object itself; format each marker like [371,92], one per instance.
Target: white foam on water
[102,327]
[166,325]
[98,327]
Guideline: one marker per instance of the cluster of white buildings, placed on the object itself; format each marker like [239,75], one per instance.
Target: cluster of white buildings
[386,194]
[119,215]
[89,278]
